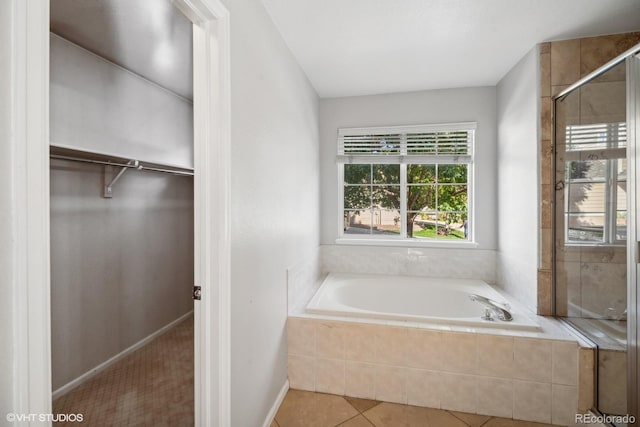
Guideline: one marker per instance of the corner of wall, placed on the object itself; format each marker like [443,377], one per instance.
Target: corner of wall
[517,165]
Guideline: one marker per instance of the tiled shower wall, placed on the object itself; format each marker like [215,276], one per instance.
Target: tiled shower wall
[563,63]
[506,376]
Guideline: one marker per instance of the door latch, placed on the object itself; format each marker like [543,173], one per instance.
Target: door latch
[197,292]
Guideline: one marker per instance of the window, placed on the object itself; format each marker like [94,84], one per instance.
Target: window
[406,182]
[595,191]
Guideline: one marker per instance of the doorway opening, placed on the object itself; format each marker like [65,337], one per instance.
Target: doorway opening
[30,283]
[121,202]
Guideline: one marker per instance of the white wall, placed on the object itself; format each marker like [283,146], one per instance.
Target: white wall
[518,113]
[274,203]
[121,268]
[424,107]
[147,123]
[6,218]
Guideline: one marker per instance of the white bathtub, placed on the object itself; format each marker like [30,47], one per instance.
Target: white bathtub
[421,299]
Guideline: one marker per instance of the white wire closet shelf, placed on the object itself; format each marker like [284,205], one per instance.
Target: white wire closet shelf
[58,152]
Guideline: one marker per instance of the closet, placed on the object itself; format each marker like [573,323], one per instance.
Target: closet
[121,177]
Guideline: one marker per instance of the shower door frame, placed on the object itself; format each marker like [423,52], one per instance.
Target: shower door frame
[632,59]
[633,231]
[28,246]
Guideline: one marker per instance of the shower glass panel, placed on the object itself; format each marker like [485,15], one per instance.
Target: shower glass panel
[591,225]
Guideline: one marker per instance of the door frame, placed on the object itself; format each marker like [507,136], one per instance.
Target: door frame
[30,243]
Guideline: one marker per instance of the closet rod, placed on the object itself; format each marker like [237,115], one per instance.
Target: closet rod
[181,172]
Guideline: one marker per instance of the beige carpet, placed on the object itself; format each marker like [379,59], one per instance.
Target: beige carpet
[151,387]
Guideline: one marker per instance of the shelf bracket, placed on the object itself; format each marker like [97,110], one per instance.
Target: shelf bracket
[108,188]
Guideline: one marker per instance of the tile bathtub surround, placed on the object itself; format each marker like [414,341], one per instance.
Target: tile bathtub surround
[303,280]
[495,375]
[307,409]
[426,262]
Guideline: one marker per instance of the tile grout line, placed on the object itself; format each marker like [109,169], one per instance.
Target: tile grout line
[463,421]
[367,418]
[349,419]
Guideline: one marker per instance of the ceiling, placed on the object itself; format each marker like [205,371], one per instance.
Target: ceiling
[352,47]
[360,47]
[149,37]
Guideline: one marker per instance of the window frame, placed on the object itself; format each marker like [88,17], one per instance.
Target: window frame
[610,213]
[403,160]
[600,145]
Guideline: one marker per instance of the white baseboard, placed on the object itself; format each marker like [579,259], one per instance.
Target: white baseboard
[101,367]
[276,405]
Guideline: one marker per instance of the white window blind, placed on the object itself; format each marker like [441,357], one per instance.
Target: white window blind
[427,144]
[596,141]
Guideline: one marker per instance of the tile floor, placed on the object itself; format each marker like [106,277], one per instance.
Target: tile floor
[151,387]
[308,409]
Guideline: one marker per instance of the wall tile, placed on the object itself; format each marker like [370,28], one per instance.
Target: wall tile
[391,384]
[532,358]
[458,392]
[565,62]
[546,162]
[603,254]
[301,336]
[330,340]
[568,288]
[566,253]
[564,365]
[557,89]
[495,397]
[532,401]
[612,381]
[423,388]
[597,51]
[546,208]
[564,404]
[603,102]
[545,118]
[545,47]
[545,74]
[560,168]
[302,374]
[330,376]
[604,289]
[545,290]
[495,356]
[391,345]
[360,380]
[586,378]
[459,263]
[303,280]
[546,239]
[567,113]
[459,352]
[360,342]
[424,349]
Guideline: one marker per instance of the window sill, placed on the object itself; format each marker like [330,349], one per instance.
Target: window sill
[594,245]
[405,243]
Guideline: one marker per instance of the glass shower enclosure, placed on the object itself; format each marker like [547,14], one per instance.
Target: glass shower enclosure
[596,243]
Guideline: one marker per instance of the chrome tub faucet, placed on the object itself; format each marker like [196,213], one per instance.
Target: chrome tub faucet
[501,311]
